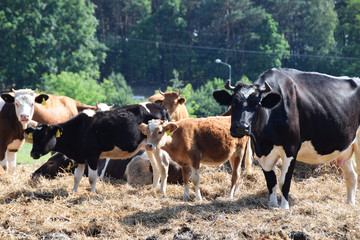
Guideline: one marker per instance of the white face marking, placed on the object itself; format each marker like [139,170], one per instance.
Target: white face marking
[152,125]
[24,105]
[144,105]
[247,91]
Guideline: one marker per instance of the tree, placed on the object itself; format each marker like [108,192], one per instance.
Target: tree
[348,36]
[79,86]
[52,36]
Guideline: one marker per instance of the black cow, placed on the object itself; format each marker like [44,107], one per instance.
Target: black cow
[294,115]
[85,139]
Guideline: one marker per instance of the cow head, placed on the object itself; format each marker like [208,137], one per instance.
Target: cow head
[171,100]
[246,103]
[24,100]
[44,139]
[157,132]
[55,164]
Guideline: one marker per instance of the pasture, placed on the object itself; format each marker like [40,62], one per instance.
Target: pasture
[48,209]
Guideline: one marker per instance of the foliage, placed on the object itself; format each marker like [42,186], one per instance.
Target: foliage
[47,37]
[79,86]
[117,91]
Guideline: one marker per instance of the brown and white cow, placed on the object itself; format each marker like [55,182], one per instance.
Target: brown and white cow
[173,103]
[192,141]
[20,109]
[17,109]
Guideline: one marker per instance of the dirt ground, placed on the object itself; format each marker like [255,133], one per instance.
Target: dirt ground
[48,209]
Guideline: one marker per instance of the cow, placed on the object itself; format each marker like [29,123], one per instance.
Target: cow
[85,139]
[297,116]
[192,141]
[17,109]
[173,103]
[58,109]
[60,163]
[139,171]
[136,170]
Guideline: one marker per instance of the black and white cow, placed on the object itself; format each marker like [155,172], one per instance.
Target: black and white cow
[298,116]
[85,139]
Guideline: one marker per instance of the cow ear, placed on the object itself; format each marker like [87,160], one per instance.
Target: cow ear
[271,100]
[143,128]
[29,130]
[41,97]
[181,100]
[222,97]
[8,98]
[170,127]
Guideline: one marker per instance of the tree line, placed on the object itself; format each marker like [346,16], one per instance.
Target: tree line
[126,47]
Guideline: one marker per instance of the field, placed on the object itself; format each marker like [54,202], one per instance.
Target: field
[48,209]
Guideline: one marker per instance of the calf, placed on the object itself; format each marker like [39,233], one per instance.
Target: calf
[110,134]
[173,103]
[17,109]
[190,142]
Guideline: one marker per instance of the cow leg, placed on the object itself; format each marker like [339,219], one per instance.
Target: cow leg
[92,175]
[11,154]
[155,167]
[186,176]
[78,173]
[11,160]
[287,170]
[102,175]
[268,166]
[235,162]
[195,177]
[357,154]
[4,162]
[350,180]
[164,169]
[248,156]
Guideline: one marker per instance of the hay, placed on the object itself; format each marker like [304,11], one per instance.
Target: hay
[48,209]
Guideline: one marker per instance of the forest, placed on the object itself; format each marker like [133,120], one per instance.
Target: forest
[111,50]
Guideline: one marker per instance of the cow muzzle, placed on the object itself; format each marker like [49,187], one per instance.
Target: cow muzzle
[240,129]
[149,147]
[35,155]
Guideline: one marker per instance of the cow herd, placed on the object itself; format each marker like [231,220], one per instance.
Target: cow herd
[285,114]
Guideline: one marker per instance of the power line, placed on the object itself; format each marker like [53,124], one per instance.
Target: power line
[229,51]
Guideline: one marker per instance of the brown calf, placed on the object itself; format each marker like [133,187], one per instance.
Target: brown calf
[190,142]
[173,103]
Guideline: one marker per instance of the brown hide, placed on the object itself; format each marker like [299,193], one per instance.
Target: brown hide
[203,139]
[173,103]
[10,127]
[58,109]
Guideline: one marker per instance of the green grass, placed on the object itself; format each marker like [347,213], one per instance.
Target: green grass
[23,156]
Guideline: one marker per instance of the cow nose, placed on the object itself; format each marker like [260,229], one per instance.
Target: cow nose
[24,117]
[149,147]
[35,155]
[242,125]
[240,129]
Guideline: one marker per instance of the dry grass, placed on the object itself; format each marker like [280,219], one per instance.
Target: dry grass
[48,209]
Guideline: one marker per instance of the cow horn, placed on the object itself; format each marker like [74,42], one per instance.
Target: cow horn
[161,92]
[97,104]
[267,88]
[228,86]
[36,90]
[13,90]
[179,92]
